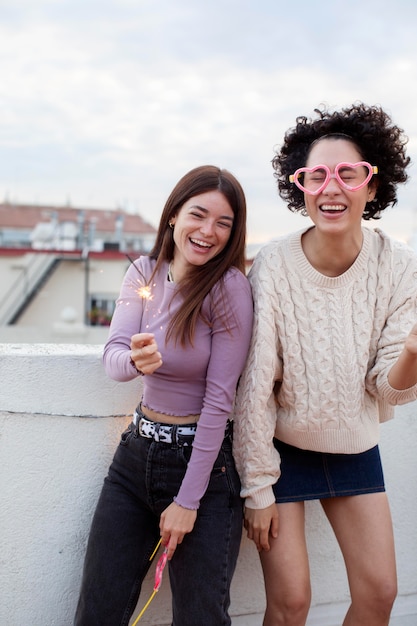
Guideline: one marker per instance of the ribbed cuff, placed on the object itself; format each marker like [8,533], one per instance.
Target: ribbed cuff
[190,507]
[132,363]
[260,499]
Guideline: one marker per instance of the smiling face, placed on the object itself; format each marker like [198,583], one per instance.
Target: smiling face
[202,228]
[335,209]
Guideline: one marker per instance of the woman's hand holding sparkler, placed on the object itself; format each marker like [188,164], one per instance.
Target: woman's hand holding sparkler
[144,353]
[175,522]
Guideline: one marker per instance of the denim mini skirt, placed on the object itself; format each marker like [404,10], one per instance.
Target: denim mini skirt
[308,475]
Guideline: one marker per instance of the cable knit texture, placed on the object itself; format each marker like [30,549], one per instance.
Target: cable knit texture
[321,351]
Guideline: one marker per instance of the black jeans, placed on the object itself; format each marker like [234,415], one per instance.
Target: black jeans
[142,480]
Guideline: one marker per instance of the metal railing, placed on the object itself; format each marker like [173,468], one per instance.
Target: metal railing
[30,276]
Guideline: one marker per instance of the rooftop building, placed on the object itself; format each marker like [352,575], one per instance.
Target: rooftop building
[61,269]
[68,228]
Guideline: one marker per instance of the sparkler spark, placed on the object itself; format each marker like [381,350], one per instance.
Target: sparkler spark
[144,291]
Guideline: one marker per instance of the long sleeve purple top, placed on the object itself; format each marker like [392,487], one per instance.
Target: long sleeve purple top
[198,379]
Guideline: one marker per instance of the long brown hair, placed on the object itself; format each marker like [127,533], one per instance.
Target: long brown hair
[201,279]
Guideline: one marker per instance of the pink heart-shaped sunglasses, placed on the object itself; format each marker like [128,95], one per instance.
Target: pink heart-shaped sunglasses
[350,176]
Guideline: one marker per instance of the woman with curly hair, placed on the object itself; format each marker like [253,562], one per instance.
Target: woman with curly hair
[334,348]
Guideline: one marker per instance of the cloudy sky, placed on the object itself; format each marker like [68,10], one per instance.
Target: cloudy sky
[107,103]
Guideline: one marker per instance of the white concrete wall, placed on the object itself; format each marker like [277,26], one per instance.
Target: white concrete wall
[60,420]
[61,331]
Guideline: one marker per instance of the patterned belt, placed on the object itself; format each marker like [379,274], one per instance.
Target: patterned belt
[165,433]
[169,433]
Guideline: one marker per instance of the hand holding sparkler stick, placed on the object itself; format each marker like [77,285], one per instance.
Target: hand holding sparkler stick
[144,353]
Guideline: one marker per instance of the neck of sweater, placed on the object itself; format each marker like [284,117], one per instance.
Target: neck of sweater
[305,268]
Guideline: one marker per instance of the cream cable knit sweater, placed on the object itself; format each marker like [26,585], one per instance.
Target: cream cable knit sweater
[321,350]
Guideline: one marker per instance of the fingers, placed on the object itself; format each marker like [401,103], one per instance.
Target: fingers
[145,353]
[274,525]
[171,544]
[174,524]
[143,344]
[141,339]
[260,537]
[261,525]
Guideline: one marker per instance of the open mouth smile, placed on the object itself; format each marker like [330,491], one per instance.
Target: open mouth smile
[200,243]
[333,208]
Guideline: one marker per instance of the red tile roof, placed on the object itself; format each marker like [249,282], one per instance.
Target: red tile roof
[26,217]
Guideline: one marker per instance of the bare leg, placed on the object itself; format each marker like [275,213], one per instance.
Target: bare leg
[363,528]
[286,570]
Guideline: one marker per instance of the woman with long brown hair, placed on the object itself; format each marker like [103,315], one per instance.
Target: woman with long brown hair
[183,322]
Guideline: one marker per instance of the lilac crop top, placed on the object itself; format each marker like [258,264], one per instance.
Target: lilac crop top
[199,379]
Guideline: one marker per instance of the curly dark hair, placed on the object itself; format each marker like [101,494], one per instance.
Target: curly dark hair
[370,129]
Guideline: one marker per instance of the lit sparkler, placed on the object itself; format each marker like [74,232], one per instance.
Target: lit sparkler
[144,291]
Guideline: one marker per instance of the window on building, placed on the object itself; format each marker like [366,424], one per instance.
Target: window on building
[101,311]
